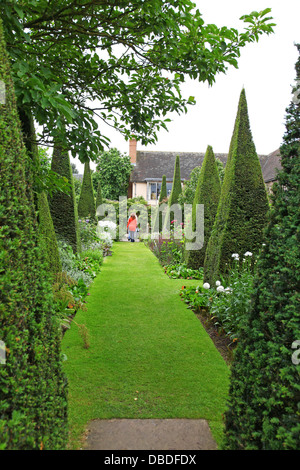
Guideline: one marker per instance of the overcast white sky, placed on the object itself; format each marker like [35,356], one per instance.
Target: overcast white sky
[266,70]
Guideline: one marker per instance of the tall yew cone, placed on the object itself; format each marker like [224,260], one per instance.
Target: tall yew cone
[32,384]
[86,204]
[63,206]
[176,186]
[264,397]
[163,192]
[158,219]
[207,193]
[45,222]
[241,214]
[176,191]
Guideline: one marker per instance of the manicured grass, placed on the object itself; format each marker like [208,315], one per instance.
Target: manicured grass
[149,356]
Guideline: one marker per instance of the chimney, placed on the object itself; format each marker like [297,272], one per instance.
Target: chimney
[132,151]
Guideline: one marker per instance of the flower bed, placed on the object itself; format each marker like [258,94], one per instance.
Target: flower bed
[227,303]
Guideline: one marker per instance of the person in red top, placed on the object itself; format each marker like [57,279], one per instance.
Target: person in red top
[132,226]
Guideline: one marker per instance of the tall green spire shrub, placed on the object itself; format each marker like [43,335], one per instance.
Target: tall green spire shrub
[263,409]
[176,187]
[163,192]
[207,193]
[175,193]
[243,205]
[162,199]
[33,404]
[63,206]
[45,223]
[86,204]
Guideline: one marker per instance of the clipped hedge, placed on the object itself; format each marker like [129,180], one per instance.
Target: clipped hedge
[263,410]
[33,403]
[176,186]
[162,199]
[207,193]
[86,203]
[63,206]
[241,214]
[33,170]
[175,193]
[163,192]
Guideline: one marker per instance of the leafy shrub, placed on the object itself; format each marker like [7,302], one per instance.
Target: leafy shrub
[71,264]
[181,271]
[227,302]
[168,251]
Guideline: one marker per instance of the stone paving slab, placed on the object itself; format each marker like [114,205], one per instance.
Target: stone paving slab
[149,434]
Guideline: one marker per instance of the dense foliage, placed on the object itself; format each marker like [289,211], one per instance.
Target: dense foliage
[32,385]
[263,410]
[189,189]
[113,172]
[241,214]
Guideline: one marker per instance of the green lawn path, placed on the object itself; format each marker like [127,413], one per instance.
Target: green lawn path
[149,356]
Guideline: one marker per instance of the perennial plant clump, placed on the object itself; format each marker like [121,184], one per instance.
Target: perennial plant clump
[227,302]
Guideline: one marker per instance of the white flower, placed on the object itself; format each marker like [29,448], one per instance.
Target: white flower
[107,224]
[206,285]
[248,253]
[228,290]
[235,256]
[218,283]
[220,289]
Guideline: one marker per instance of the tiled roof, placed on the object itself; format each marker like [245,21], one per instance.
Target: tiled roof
[270,164]
[152,165]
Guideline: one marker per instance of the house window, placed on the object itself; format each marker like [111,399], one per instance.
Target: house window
[169,188]
[154,190]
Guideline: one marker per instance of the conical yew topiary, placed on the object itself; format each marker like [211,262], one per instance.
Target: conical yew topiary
[32,384]
[173,199]
[207,193]
[176,186]
[158,218]
[163,191]
[63,206]
[86,204]
[45,223]
[243,205]
[263,408]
